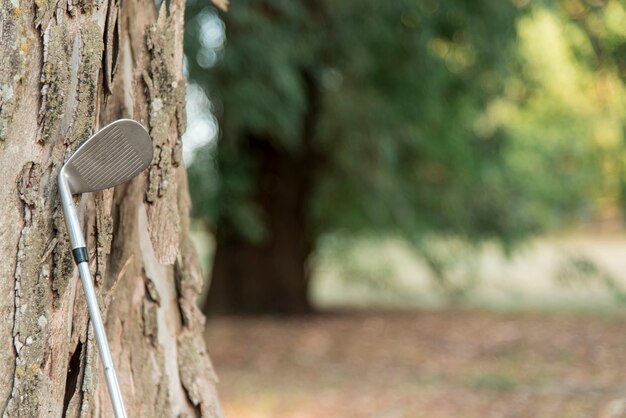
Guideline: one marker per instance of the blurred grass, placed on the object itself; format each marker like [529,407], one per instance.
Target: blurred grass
[388,273]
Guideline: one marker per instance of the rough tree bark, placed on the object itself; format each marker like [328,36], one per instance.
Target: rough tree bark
[69,67]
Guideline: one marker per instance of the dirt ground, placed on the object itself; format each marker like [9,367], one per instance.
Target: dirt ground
[452,364]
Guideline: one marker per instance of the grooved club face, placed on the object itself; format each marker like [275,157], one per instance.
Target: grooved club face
[115,154]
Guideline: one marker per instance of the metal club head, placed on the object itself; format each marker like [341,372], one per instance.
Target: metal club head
[113,155]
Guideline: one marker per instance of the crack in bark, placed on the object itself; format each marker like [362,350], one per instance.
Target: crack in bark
[51,246]
[111,45]
[73,374]
[90,376]
[62,260]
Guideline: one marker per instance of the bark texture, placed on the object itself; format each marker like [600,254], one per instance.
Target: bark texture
[69,67]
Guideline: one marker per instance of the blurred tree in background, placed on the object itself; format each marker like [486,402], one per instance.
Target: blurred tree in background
[475,119]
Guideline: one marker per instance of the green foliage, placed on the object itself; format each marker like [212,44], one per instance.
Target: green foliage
[400,83]
[565,117]
[474,118]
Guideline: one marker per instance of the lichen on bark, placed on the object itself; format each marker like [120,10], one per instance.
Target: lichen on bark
[166,98]
[92,46]
[32,295]
[102,231]
[12,49]
[166,91]
[55,77]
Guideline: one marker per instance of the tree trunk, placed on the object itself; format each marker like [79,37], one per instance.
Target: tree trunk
[271,276]
[69,67]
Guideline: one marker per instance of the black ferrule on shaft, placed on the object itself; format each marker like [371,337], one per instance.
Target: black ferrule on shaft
[80,254]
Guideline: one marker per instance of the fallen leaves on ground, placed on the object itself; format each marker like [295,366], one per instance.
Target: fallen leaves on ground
[452,364]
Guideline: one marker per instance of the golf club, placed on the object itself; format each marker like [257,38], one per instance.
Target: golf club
[113,155]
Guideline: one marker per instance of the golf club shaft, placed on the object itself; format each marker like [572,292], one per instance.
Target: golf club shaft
[81,257]
[103,345]
[114,155]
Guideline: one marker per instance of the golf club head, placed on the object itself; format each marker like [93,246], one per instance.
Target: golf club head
[113,155]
